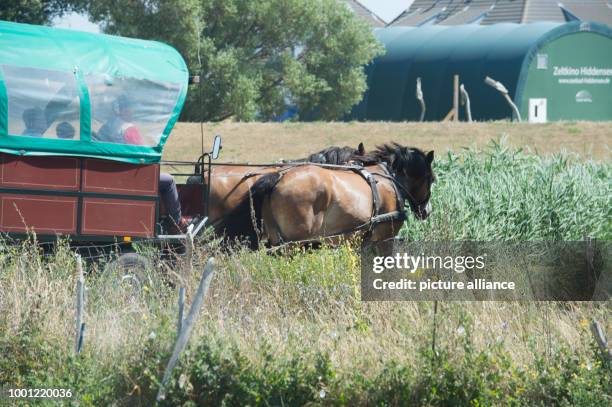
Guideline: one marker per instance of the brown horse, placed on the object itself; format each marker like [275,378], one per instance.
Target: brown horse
[230,209]
[310,202]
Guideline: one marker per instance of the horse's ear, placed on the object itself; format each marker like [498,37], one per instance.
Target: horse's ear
[430,157]
[360,149]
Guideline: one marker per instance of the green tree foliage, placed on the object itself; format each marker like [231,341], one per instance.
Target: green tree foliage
[32,11]
[255,56]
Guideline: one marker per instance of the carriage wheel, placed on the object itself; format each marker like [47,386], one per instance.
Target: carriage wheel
[129,271]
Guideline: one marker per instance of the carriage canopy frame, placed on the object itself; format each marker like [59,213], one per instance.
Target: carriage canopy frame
[72,93]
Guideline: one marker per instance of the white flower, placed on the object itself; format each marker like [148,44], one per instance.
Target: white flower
[322,394]
[182,380]
[461,331]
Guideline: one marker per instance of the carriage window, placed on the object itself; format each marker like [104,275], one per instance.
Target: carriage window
[128,110]
[42,103]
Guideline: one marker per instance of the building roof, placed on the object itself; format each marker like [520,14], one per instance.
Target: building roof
[506,11]
[365,13]
[589,10]
[419,11]
[486,12]
[470,14]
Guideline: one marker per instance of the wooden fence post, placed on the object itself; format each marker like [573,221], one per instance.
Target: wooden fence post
[600,338]
[187,269]
[187,326]
[80,302]
[181,307]
[453,114]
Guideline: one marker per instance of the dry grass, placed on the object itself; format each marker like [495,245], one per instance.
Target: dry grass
[269,142]
[278,306]
[304,302]
[365,336]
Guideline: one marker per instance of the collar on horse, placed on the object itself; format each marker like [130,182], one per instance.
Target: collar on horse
[377,218]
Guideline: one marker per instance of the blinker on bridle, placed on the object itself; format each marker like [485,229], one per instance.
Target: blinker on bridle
[413,202]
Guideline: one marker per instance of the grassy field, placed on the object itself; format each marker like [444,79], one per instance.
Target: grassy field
[270,142]
[291,330]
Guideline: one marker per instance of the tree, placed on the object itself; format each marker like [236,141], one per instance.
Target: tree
[32,11]
[255,57]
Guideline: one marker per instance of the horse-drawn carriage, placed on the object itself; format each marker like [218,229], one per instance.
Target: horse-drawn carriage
[83,122]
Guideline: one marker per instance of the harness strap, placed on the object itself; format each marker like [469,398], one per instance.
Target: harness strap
[367,175]
[399,197]
[399,216]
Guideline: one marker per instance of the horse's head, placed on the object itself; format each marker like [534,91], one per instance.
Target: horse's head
[413,174]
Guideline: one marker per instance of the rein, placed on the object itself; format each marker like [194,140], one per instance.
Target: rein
[267,165]
[283,167]
[400,186]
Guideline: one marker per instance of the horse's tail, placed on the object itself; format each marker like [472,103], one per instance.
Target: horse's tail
[245,220]
[262,188]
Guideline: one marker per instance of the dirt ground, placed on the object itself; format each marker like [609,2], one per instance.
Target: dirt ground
[270,142]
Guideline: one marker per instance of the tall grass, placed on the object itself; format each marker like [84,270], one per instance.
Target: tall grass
[507,194]
[291,329]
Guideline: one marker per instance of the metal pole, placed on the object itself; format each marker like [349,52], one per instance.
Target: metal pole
[419,96]
[514,108]
[433,332]
[456,98]
[80,300]
[207,186]
[194,311]
[466,101]
[502,89]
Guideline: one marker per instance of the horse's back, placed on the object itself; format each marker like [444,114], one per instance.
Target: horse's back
[310,202]
[230,184]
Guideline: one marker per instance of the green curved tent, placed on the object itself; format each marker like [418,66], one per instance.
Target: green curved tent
[567,67]
[66,92]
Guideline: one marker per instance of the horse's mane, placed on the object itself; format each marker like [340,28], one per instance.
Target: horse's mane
[412,160]
[332,155]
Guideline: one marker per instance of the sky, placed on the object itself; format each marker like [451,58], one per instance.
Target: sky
[385,9]
[77,22]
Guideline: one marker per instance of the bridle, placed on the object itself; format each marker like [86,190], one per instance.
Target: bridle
[392,176]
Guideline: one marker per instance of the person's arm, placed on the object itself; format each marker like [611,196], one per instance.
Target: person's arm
[132,136]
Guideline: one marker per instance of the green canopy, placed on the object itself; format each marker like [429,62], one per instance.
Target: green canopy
[66,92]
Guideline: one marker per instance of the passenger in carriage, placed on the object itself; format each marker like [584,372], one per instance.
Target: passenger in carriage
[120,129]
[35,123]
[65,131]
